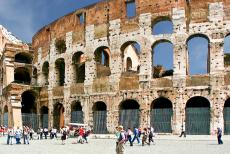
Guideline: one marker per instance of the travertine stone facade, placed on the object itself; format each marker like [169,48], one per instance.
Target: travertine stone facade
[105,26]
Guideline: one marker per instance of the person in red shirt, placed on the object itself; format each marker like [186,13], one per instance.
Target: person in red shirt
[81,133]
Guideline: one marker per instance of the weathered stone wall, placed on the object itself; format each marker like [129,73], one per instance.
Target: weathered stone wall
[106,25]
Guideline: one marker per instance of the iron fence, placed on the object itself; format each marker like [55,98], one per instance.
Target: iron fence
[99,122]
[161,120]
[129,118]
[198,121]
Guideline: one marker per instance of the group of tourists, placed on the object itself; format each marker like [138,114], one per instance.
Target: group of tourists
[25,133]
[142,136]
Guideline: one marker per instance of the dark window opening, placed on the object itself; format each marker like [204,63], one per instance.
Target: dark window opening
[60,46]
[60,69]
[81,18]
[198,102]
[22,75]
[129,104]
[28,102]
[99,106]
[78,62]
[45,71]
[161,103]
[23,58]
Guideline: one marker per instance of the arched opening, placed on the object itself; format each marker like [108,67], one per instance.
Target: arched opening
[45,72]
[161,115]
[227,51]
[162,25]
[29,109]
[78,62]
[44,117]
[227,117]
[162,59]
[58,115]
[130,52]
[129,63]
[60,71]
[198,55]
[35,73]
[100,118]
[197,120]
[102,58]
[5,116]
[22,75]
[76,113]
[23,57]
[129,114]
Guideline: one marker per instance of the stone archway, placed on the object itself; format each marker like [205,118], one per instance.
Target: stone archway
[44,117]
[29,109]
[5,116]
[100,118]
[129,114]
[227,117]
[197,120]
[76,113]
[161,115]
[58,115]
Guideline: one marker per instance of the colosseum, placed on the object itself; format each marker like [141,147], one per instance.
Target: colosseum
[96,66]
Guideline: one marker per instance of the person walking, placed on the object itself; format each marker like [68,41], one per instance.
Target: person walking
[219,135]
[64,135]
[144,136]
[151,135]
[136,135]
[183,130]
[120,141]
[129,136]
[45,131]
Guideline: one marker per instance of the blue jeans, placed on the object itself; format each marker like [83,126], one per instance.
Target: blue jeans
[136,137]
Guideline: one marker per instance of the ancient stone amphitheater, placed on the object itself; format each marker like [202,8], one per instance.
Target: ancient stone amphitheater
[96,66]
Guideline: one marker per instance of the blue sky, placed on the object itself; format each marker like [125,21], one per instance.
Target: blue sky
[25,17]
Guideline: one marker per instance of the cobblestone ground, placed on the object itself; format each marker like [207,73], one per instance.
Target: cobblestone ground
[107,146]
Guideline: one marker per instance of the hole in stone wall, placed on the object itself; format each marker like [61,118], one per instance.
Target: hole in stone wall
[162,59]
[23,58]
[45,72]
[130,56]
[22,75]
[162,25]
[198,54]
[60,71]
[130,8]
[78,62]
[102,58]
[227,50]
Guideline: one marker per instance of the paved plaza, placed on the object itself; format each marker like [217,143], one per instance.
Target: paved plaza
[164,145]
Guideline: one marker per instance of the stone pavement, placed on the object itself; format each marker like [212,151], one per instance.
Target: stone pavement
[164,145]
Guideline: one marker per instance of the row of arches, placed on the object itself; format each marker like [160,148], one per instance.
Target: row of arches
[198,59]
[197,114]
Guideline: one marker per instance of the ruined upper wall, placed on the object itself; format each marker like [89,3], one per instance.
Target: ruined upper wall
[101,13]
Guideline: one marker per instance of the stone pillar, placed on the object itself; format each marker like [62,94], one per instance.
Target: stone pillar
[145,75]
[67,105]
[179,53]
[51,107]
[178,111]
[90,64]
[15,116]
[116,61]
